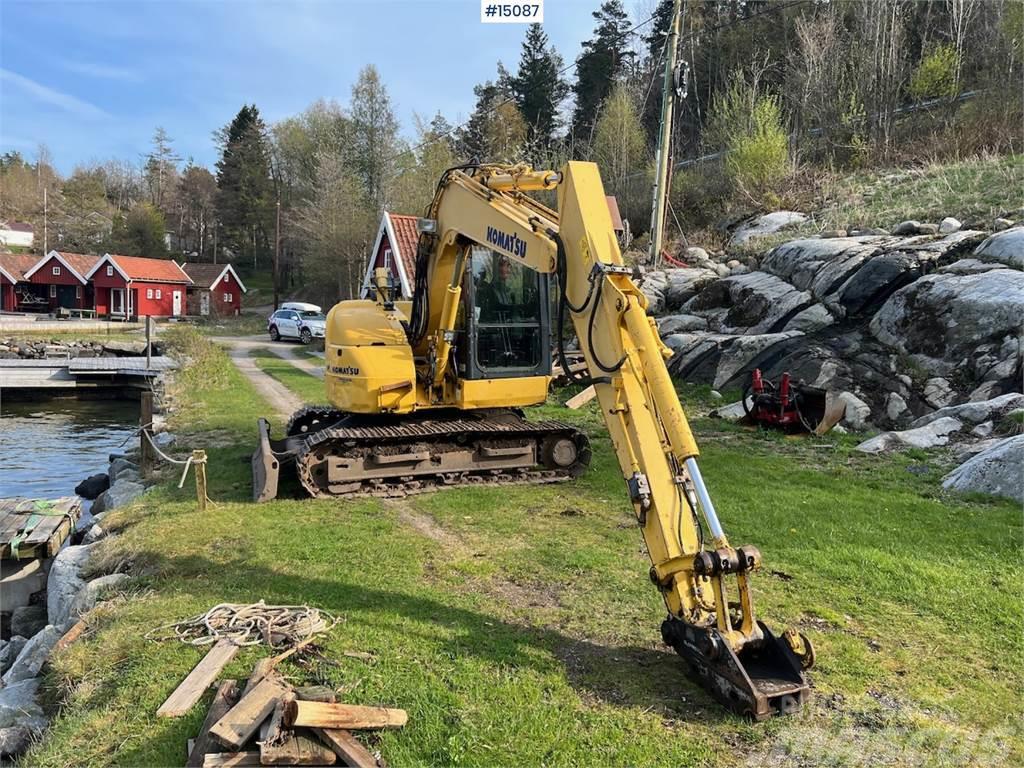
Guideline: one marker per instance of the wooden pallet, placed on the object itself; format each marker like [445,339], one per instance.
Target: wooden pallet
[51,521]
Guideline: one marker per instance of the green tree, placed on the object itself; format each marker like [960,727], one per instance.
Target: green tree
[85,218]
[747,124]
[161,169]
[140,233]
[936,74]
[620,150]
[374,135]
[244,186]
[197,194]
[538,87]
[416,181]
[496,130]
[602,61]
[655,39]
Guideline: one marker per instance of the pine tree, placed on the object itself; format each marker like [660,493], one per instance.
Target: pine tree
[161,169]
[655,39]
[538,88]
[496,130]
[374,135]
[244,186]
[602,61]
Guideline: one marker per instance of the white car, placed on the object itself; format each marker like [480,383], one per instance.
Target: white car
[304,325]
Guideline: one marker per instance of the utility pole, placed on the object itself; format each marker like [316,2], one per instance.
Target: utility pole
[668,94]
[46,225]
[277,249]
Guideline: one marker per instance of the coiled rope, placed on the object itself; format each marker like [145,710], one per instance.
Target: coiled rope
[277,626]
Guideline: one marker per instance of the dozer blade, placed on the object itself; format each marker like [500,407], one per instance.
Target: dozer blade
[266,466]
[758,683]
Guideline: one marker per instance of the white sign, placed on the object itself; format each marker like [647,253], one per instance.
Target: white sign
[522,12]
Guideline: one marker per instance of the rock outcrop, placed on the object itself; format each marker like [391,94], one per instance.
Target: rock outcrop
[995,471]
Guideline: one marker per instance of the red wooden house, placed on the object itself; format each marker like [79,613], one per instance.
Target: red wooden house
[216,289]
[395,249]
[60,277]
[132,287]
[17,293]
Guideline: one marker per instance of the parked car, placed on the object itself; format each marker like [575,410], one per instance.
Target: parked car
[304,325]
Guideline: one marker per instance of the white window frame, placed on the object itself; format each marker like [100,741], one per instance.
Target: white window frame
[227,298]
[159,293]
[149,293]
[387,258]
[110,271]
[78,291]
[56,270]
[227,278]
[53,291]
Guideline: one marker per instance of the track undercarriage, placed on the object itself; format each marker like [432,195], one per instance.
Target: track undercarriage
[344,454]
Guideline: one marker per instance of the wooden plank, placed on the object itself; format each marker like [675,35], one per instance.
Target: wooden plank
[347,747]
[260,670]
[231,759]
[582,398]
[223,700]
[242,720]
[273,729]
[199,679]
[315,714]
[70,636]
[316,693]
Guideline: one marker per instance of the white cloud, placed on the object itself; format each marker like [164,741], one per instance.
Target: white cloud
[103,71]
[46,95]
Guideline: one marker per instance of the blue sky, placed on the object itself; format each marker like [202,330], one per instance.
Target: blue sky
[92,80]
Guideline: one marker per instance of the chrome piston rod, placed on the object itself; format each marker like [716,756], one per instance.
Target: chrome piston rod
[704,498]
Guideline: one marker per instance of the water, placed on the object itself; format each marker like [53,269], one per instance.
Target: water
[49,447]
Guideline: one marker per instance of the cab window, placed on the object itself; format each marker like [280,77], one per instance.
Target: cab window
[507,313]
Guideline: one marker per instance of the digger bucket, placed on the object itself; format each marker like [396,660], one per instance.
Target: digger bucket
[820,410]
[266,465]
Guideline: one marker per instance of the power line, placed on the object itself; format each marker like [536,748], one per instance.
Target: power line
[509,100]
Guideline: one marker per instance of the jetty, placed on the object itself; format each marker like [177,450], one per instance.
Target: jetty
[83,372]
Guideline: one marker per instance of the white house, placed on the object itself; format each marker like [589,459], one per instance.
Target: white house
[16,233]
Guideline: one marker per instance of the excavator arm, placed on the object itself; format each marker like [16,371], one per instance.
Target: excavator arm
[704,582]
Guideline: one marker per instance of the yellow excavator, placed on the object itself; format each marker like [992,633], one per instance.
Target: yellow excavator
[429,393]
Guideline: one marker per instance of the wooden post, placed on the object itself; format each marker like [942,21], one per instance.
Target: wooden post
[199,465]
[146,420]
[149,341]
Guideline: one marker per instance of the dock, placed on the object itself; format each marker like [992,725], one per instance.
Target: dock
[82,372]
[36,528]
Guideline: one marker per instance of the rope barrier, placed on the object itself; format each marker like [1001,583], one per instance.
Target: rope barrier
[277,626]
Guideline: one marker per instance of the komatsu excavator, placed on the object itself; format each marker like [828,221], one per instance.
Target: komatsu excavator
[429,393]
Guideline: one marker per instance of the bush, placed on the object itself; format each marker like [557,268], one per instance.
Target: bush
[747,124]
[935,75]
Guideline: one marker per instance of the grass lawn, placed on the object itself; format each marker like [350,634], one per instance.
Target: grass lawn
[308,387]
[518,627]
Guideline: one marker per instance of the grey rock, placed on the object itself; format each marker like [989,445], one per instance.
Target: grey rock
[98,507]
[65,582]
[976,412]
[754,303]
[742,269]
[93,486]
[983,430]
[731,412]
[909,227]
[120,493]
[733,263]
[680,324]
[1006,247]
[741,352]
[934,434]
[14,740]
[996,471]
[714,394]
[119,465]
[1001,223]
[18,705]
[91,592]
[949,224]
[831,233]
[969,266]
[858,413]
[33,655]
[125,347]
[10,651]
[938,393]
[985,391]
[128,476]
[94,534]
[683,284]
[164,440]
[696,254]
[27,620]
[768,224]
[869,232]
[895,406]
[813,318]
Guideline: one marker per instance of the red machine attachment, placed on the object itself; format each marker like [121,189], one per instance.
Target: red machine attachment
[788,406]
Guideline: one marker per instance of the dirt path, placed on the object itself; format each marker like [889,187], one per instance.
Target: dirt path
[284,401]
[283,349]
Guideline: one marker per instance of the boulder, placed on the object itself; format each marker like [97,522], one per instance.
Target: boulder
[813,318]
[91,592]
[93,486]
[949,224]
[910,227]
[895,406]
[94,534]
[680,324]
[1006,247]
[1001,224]
[120,493]
[983,430]
[163,440]
[10,651]
[65,582]
[27,620]
[969,266]
[14,740]
[995,471]
[731,412]
[118,466]
[125,348]
[33,655]
[18,706]
[681,285]
[934,434]
[858,413]
[938,393]
[758,302]
[768,224]
[976,412]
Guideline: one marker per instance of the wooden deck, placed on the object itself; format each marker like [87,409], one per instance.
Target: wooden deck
[36,527]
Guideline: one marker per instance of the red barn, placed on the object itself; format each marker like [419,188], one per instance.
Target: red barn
[17,293]
[395,249]
[217,289]
[61,279]
[132,287]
